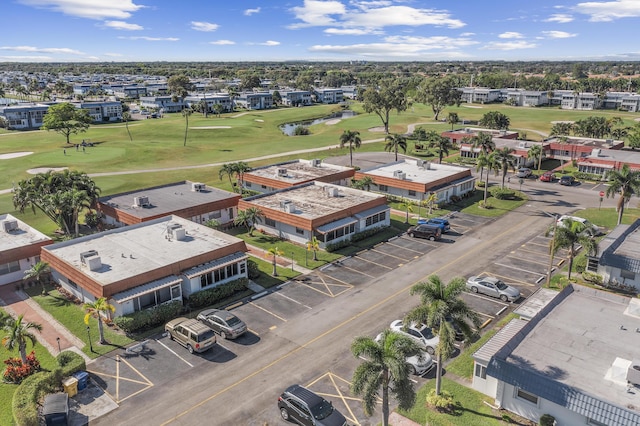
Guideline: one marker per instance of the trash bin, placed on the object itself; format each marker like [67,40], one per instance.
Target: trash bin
[83,379]
[56,409]
[70,385]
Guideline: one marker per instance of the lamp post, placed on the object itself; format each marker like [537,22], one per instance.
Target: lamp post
[58,340]
[292,261]
[306,256]
[552,248]
[89,335]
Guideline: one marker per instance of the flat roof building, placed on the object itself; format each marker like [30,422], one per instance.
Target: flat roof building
[458,135]
[191,200]
[296,172]
[146,264]
[20,247]
[329,212]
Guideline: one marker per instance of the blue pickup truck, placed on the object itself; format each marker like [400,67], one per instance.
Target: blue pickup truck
[440,222]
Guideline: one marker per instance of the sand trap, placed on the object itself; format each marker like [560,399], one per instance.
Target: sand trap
[471,106]
[259,120]
[558,122]
[210,127]
[45,170]
[332,121]
[377,129]
[14,155]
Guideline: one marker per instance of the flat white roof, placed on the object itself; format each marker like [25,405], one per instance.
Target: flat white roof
[21,237]
[297,171]
[416,170]
[133,250]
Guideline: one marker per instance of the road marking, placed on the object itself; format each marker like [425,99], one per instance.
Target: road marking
[375,263]
[519,269]
[489,298]
[527,260]
[383,302]
[327,286]
[170,350]
[504,278]
[342,265]
[253,331]
[387,254]
[116,398]
[406,248]
[293,300]
[268,311]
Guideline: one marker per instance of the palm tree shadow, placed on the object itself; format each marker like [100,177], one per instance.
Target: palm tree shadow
[60,301]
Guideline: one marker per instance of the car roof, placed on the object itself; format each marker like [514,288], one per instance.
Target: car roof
[488,279]
[220,313]
[304,394]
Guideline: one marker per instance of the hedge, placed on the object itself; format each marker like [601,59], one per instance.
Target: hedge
[148,318]
[503,193]
[211,296]
[35,387]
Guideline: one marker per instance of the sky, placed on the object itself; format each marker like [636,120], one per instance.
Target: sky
[317,30]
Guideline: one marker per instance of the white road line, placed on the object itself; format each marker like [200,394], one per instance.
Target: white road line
[170,350]
[519,269]
[293,300]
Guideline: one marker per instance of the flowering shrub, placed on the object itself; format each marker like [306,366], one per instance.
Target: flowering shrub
[16,371]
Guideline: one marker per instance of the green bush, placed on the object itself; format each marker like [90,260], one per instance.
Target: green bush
[592,277]
[70,362]
[443,402]
[366,233]
[253,270]
[148,318]
[503,193]
[587,176]
[580,264]
[547,420]
[213,295]
[331,247]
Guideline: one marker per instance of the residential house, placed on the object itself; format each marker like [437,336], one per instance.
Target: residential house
[212,100]
[569,148]
[162,103]
[457,136]
[24,116]
[601,161]
[296,98]
[255,100]
[479,95]
[328,95]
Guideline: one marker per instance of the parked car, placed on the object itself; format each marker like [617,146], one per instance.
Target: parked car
[567,180]
[420,361]
[226,324]
[440,222]
[432,232]
[523,172]
[493,287]
[422,334]
[191,333]
[305,407]
[547,177]
[590,228]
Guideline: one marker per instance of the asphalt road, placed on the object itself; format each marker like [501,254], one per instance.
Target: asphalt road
[240,384]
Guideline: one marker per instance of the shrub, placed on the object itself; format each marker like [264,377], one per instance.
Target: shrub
[210,296]
[301,131]
[253,270]
[331,247]
[366,233]
[480,184]
[16,371]
[503,193]
[443,402]
[70,362]
[148,318]
[547,420]
[580,264]
[592,277]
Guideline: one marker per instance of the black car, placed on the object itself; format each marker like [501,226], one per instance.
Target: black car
[431,232]
[567,180]
[304,407]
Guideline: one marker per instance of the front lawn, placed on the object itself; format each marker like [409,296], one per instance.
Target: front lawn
[267,280]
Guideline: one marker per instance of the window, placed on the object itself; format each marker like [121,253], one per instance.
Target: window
[527,396]
[10,267]
[481,371]
[383,187]
[299,231]
[215,215]
[247,184]
[627,275]
[264,186]
[595,422]
[412,193]
[72,284]
[270,222]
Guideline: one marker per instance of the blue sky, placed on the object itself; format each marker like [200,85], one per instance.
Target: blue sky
[280,30]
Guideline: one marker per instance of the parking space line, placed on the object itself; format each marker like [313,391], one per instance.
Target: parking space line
[375,263]
[406,248]
[532,251]
[483,297]
[340,395]
[293,300]
[485,315]
[510,279]
[390,255]
[170,350]
[528,260]
[342,265]
[326,285]
[519,269]
[268,311]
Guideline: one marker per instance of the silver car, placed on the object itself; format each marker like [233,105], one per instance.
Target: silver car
[419,362]
[421,334]
[227,325]
[493,287]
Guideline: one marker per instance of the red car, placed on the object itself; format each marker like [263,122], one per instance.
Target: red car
[547,177]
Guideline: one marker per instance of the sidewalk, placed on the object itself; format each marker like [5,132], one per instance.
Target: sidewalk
[16,302]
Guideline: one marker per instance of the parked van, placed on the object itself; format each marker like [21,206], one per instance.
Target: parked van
[191,333]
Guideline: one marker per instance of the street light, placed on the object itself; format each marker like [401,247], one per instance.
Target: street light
[292,261]
[553,246]
[89,334]
[58,340]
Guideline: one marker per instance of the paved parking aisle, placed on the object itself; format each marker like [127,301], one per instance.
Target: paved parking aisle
[367,265]
[486,307]
[462,222]
[342,273]
[412,245]
[318,282]
[336,389]
[402,254]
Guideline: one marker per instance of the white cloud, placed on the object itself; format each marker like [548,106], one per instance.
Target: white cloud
[558,34]
[222,42]
[511,34]
[250,12]
[467,34]
[560,18]
[509,45]
[609,10]
[121,25]
[270,43]
[92,9]
[316,13]
[150,38]
[204,26]
[352,31]
[55,50]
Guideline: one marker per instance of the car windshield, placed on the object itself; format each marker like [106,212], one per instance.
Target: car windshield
[322,410]
[233,321]
[426,332]
[501,285]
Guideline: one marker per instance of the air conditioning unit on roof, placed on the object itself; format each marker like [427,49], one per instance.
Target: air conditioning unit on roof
[197,186]
[282,172]
[141,201]
[316,162]
[9,226]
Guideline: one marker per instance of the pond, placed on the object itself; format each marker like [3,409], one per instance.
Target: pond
[289,128]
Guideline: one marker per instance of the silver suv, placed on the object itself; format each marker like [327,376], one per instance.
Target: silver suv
[191,333]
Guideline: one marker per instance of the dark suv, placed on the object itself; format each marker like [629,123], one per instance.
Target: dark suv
[304,407]
[431,232]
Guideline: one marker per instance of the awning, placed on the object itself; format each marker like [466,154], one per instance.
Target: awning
[143,289]
[335,225]
[215,264]
[596,165]
[372,211]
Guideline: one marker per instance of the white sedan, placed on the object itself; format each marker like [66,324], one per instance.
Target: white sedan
[421,334]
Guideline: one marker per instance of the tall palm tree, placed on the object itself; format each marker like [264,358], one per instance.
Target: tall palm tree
[452,119]
[535,153]
[227,169]
[395,142]
[352,139]
[274,252]
[485,142]
[38,271]
[407,205]
[248,218]
[570,235]
[505,158]
[78,200]
[442,309]
[96,309]
[186,113]
[442,145]
[314,245]
[240,168]
[384,368]
[18,332]
[627,183]
[486,161]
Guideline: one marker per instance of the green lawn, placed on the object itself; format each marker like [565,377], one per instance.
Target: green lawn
[267,280]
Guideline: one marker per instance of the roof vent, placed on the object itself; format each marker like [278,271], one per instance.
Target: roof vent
[141,201]
[9,226]
[331,191]
[523,144]
[197,186]
[316,162]
[596,152]
[633,373]
[91,259]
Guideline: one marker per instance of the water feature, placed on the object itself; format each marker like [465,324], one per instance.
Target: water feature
[289,128]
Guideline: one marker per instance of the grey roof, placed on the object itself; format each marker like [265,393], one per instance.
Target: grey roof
[624,251]
[336,224]
[501,338]
[535,303]
[134,292]
[565,352]
[210,266]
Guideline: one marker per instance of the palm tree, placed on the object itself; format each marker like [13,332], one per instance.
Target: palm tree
[384,368]
[227,169]
[625,182]
[38,271]
[274,252]
[240,168]
[486,161]
[407,205]
[431,201]
[442,145]
[314,245]
[452,119]
[249,218]
[442,309]
[96,309]
[569,236]
[351,138]
[186,113]
[18,333]
[78,200]
[484,141]
[364,183]
[505,158]
[394,142]
[535,153]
